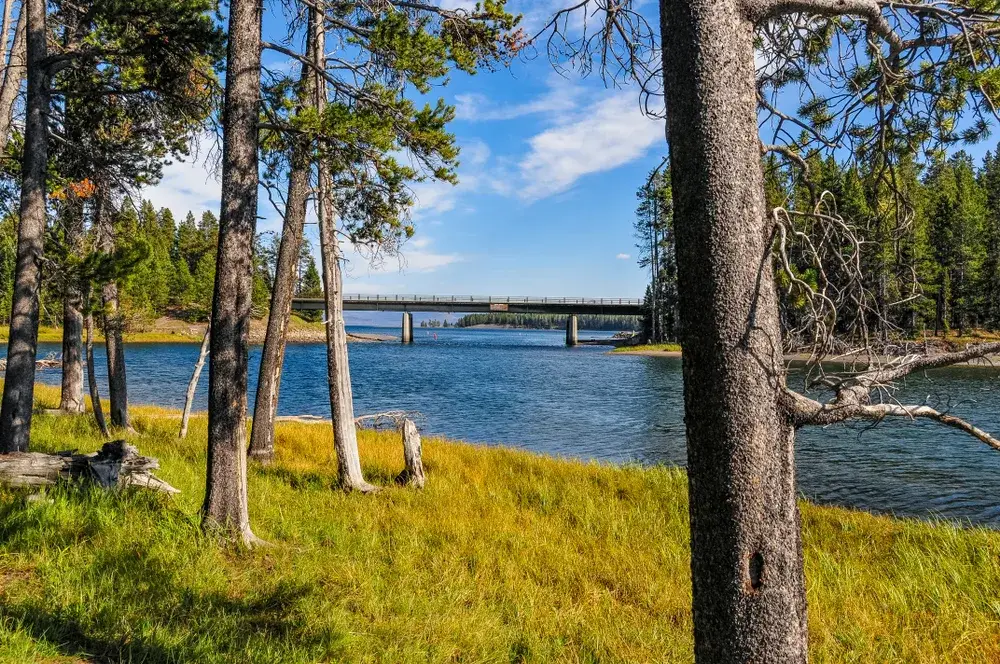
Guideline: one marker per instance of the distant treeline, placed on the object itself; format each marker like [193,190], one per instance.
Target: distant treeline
[551,321]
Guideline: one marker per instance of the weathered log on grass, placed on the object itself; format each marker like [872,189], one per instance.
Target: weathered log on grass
[50,361]
[117,464]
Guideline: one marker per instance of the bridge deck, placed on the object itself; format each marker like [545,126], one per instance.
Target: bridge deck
[473,304]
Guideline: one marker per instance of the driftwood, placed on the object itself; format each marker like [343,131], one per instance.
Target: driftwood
[50,361]
[413,474]
[118,464]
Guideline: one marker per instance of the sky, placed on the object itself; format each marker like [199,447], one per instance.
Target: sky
[546,197]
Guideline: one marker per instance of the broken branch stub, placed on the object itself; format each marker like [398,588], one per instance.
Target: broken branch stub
[117,464]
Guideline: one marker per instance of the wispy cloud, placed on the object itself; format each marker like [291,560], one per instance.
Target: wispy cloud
[185,186]
[562,97]
[610,133]
[623,257]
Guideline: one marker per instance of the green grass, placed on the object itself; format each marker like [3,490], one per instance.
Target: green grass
[505,557]
[642,348]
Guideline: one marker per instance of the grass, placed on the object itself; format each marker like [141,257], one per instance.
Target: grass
[644,348]
[505,557]
[49,334]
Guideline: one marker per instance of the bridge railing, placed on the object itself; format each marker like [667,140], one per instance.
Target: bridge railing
[480,299]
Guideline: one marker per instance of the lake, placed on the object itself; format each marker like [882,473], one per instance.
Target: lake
[524,388]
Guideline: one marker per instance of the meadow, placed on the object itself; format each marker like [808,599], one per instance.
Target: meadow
[504,557]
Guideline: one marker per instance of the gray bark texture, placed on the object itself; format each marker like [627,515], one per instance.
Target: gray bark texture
[746,550]
[193,384]
[113,323]
[22,346]
[412,456]
[273,354]
[117,464]
[225,507]
[8,12]
[95,395]
[14,74]
[345,431]
[71,397]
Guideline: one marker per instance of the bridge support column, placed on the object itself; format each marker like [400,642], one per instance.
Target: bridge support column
[407,328]
[571,329]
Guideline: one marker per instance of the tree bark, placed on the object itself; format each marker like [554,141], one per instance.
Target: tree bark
[71,398]
[113,323]
[22,345]
[225,507]
[412,456]
[95,395]
[273,353]
[13,75]
[117,464]
[8,12]
[193,384]
[345,432]
[746,551]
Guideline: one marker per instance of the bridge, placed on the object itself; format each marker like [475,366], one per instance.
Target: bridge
[567,306]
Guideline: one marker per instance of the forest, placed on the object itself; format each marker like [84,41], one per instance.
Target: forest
[930,265]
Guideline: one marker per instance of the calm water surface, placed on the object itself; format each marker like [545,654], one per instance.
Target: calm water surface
[525,388]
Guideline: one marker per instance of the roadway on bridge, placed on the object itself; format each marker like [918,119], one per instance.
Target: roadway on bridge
[479,304]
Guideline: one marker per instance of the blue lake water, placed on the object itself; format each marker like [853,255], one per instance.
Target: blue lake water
[526,389]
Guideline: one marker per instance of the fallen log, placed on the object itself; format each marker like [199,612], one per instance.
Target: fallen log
[117,464]
[50,361]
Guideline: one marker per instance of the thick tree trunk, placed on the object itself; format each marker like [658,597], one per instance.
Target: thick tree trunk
[273,354]
[746,551]
[71,398]
[113,323]
[13,75]
[95,395]
[225,507]
[22,345]
[193,384]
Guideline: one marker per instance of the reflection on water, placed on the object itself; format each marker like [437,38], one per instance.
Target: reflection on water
[526,388]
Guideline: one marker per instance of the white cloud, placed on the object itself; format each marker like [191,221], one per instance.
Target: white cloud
[623,257]
[562,97]
[186,186]
[610,133]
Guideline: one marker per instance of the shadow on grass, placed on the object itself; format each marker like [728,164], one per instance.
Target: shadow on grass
[163,624]
[301,480]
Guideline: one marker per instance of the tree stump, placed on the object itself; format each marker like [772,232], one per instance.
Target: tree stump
[414,471]
[117,464]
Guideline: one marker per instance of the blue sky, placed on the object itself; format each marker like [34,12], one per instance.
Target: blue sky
[546,197]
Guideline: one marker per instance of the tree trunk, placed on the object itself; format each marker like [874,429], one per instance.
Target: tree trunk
[193,384]
[273,354]
[345,432]
[13,75]
[8,12]
[225,507]
[22,345]
[746,550]
[71,398]
[95,395]
[113,323]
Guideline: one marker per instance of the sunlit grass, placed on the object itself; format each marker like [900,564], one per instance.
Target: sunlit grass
[644,348]
[504,557]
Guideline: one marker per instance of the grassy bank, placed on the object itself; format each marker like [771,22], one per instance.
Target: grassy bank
[648,348]
[505,557]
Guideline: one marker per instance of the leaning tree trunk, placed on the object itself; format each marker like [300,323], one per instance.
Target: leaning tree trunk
[273,354]
[95,395]
[113,324]
[22,345]
[71,398]
[225,507]
[746,550]
[13,75]
[193,384]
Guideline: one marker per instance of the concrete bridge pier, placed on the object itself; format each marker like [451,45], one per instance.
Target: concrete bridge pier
[571,330]
[407,328]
